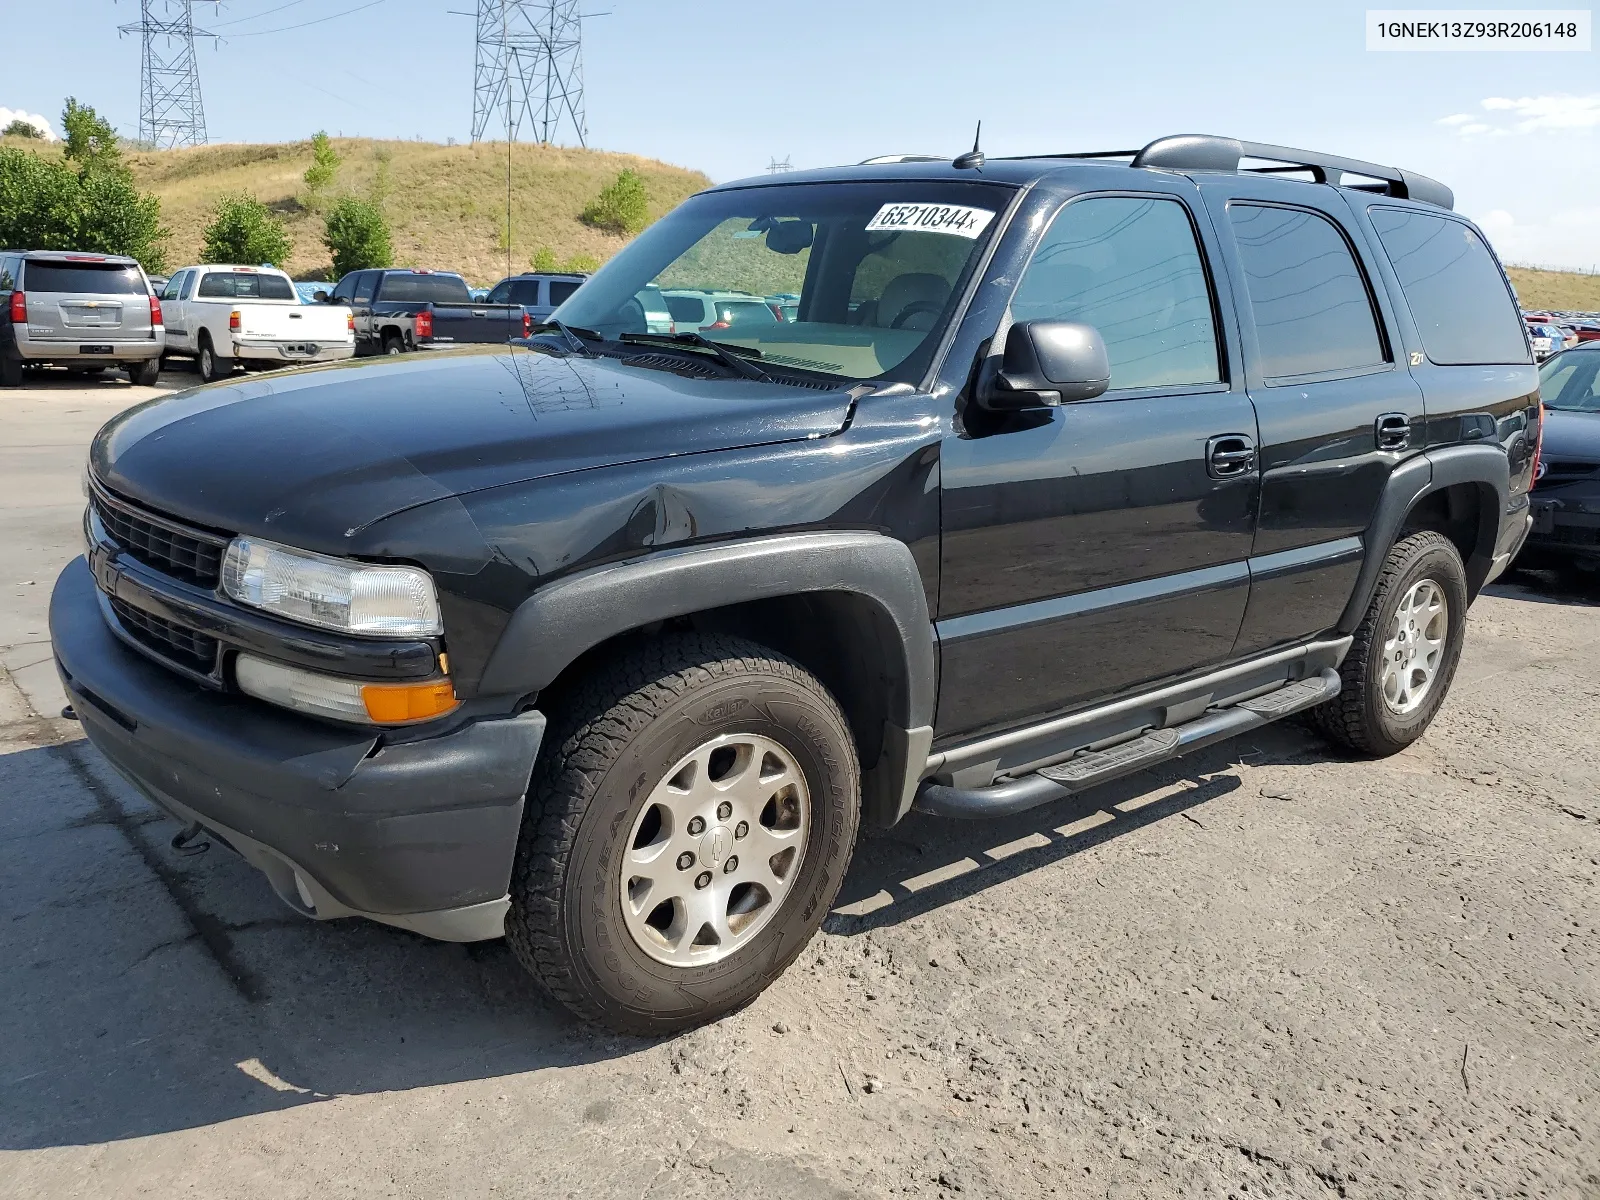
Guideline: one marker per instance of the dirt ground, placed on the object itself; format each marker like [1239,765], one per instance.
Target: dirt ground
[1268,970]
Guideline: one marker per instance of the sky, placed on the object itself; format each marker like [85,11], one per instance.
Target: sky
[726,86]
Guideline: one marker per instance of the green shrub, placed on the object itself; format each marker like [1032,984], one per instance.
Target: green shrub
[357,236]
[243,230]
[582,264]
[544,259]
[85,202]
[23,129]
[621,206]
[323,170]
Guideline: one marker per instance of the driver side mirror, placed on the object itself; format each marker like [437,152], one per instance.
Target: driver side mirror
[1047,363]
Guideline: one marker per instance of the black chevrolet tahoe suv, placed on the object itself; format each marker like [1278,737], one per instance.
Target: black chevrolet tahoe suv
[611,641]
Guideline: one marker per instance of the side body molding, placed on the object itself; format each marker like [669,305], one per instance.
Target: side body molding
[563,619]
[1485,466]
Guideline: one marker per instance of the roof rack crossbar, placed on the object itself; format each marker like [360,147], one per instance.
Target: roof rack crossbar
[1204,152]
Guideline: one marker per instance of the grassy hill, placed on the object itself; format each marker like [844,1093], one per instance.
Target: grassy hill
[445,204]
[1564,291]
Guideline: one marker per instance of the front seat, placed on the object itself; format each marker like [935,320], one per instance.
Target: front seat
[912,301]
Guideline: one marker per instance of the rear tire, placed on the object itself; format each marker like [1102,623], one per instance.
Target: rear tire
[1405,652]
[394,344]
[144,374]
[614,812]
[10,371]
[211,365]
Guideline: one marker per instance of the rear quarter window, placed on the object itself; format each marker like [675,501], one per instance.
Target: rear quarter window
[559,291]
[1456,293]
[95,279]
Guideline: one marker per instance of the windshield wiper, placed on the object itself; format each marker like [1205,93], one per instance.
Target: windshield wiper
[573,335]
[687,341]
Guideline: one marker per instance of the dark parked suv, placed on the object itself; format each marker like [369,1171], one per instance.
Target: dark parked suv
[610,640]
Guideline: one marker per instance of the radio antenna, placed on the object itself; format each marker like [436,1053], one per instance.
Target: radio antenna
[972,159]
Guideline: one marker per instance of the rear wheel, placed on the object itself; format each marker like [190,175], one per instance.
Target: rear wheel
[10,371]
[686,830]
[1405,652]
[144,374]
[212,366]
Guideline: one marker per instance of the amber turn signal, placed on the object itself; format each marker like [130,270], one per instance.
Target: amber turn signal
[401,703]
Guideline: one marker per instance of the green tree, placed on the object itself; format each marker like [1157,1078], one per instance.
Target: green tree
[90,140]
[323,170]
[46,205]
[357,236]
[243,230]
[23,129]
[621,206]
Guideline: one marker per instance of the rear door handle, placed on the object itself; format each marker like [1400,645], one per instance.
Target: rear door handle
[1392,431]
[1230,455]
[478,312]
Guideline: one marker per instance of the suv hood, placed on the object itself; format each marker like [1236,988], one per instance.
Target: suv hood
[1571,435]
[311,457]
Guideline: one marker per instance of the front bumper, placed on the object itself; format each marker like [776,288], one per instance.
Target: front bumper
[278,353]
[419,834]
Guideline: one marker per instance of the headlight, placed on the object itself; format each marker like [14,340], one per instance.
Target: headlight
[343,699]
[332,593]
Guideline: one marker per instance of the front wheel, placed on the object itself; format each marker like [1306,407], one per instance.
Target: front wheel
[392,344]
[1405,652]
[686,831]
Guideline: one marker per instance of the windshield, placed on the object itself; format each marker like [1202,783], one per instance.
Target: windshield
[1571,381]
[878,268]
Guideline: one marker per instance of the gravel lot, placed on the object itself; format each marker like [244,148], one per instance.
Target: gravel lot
[1263,971]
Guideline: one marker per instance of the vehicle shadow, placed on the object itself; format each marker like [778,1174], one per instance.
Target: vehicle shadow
[926,862]
[149,992]
[1568,587]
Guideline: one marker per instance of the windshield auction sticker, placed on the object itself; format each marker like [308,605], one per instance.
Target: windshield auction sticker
[1468,29]
[955,219]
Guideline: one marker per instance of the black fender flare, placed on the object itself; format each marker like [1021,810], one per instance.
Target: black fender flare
[560,621]
[1486,466]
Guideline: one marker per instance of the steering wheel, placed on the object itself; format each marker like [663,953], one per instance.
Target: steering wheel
[915,309]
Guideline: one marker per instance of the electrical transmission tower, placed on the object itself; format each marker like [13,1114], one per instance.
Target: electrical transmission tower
[778,168]
[529,69]
[170,111]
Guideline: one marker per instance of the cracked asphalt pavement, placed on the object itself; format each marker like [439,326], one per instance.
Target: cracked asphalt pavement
[1269,970]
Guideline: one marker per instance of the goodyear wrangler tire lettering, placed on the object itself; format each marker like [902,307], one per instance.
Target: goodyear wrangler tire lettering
[711,702]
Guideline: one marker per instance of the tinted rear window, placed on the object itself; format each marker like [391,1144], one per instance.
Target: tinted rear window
[560,291]
[245,286]
[1312,310]
[525,291]
[1462,308]
[744,313]
[97,279]
[440,289]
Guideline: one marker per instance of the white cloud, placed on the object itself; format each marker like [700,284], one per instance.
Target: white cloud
[1529,114]
[8,115]
[1566,238]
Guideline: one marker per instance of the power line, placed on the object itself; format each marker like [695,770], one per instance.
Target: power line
[170,109]
[256,16]
[304,24]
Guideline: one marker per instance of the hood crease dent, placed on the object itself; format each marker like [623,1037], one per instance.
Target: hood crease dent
[316,458]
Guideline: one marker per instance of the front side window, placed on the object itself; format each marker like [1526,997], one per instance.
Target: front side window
[879,268]
[500,295]
[1463,310]
[1571,381]
[1313,312]
[346,288]
[1129,266]
[174,286]
[365,282]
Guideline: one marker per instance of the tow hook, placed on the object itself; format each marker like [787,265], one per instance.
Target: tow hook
[190,840]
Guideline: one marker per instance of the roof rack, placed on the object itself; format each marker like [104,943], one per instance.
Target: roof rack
[1205,152]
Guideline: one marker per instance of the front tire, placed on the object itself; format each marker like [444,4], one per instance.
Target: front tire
[393,345]
[687,828]
[1405,652]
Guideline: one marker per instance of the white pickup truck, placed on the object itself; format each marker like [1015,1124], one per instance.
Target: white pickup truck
[227,316]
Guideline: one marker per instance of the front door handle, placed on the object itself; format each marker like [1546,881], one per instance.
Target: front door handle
[1230,455]
[1392,431]
[480,312]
